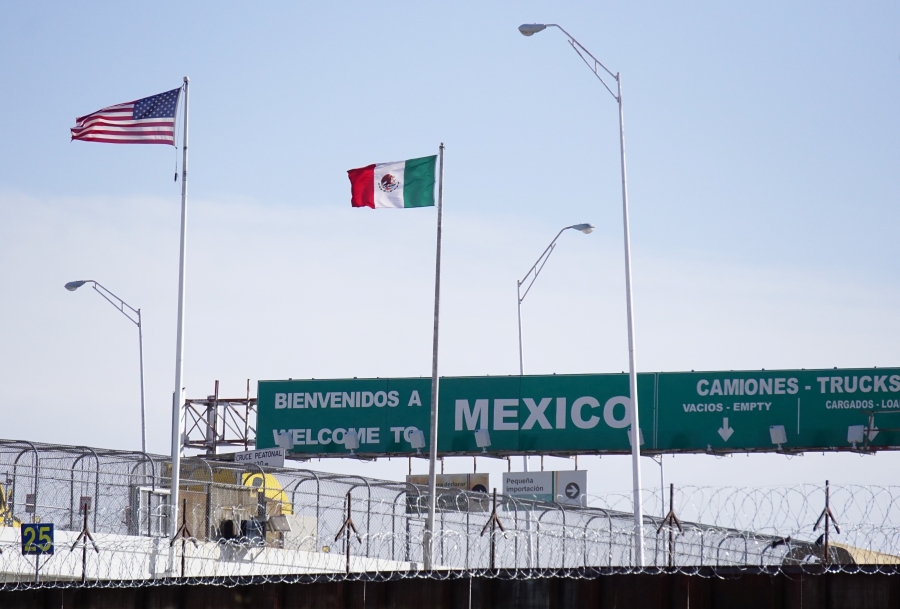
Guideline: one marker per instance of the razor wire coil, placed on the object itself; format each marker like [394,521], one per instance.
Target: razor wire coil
[283,525]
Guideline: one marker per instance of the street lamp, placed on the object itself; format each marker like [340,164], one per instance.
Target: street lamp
[529,29]
[533,273]
[134,316]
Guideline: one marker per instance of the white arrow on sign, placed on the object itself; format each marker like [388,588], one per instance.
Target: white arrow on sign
[725,430]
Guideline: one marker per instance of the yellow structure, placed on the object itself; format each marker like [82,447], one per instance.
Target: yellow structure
[272,490]
[6,516]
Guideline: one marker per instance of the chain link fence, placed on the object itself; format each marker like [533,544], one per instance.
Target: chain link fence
[246,523]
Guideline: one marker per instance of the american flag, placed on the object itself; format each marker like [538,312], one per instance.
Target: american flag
[150,120]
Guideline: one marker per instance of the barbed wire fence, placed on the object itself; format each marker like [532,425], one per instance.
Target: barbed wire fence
[244,523]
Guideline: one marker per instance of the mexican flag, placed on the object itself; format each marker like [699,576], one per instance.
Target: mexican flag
[400,184]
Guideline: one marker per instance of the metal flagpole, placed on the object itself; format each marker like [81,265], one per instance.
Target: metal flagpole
[179,347]
[427,553]
[141,349]
[632,366]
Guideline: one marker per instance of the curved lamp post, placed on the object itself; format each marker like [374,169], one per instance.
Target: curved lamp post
[533,273]
[529,29]
[134,316]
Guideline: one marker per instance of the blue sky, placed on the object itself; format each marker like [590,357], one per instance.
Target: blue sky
[763,143]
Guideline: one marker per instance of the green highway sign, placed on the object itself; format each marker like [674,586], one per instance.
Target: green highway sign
[741,411]
[717,412]
[540,414]
[315,415]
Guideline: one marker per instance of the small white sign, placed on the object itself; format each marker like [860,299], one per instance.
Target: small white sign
[571,487]
[529,485]
[567,487]
[270,457]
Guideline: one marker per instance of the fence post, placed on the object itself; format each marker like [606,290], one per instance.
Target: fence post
[493,522]
[670,522]
[83,538]
[829,519]
[183,533]
[346,528]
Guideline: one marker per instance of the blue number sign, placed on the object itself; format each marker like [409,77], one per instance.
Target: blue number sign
[37,538]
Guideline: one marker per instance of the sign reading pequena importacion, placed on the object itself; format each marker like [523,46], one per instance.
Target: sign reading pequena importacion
[568,487]
[742,411]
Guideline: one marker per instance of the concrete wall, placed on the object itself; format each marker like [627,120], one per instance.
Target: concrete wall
[731,591]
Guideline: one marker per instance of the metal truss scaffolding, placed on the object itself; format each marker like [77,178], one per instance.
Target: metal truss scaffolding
[213,423]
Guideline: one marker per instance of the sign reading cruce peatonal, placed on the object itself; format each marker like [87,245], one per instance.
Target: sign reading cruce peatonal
[718,412]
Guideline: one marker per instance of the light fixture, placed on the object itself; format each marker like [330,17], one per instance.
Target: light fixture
[279,524]
[530,29]
[778,435]
[134,316]
[630,443]
[284,440]
[351,440]
[856,434]
[586,228]
[417,440]
[601,72]
[482,439]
